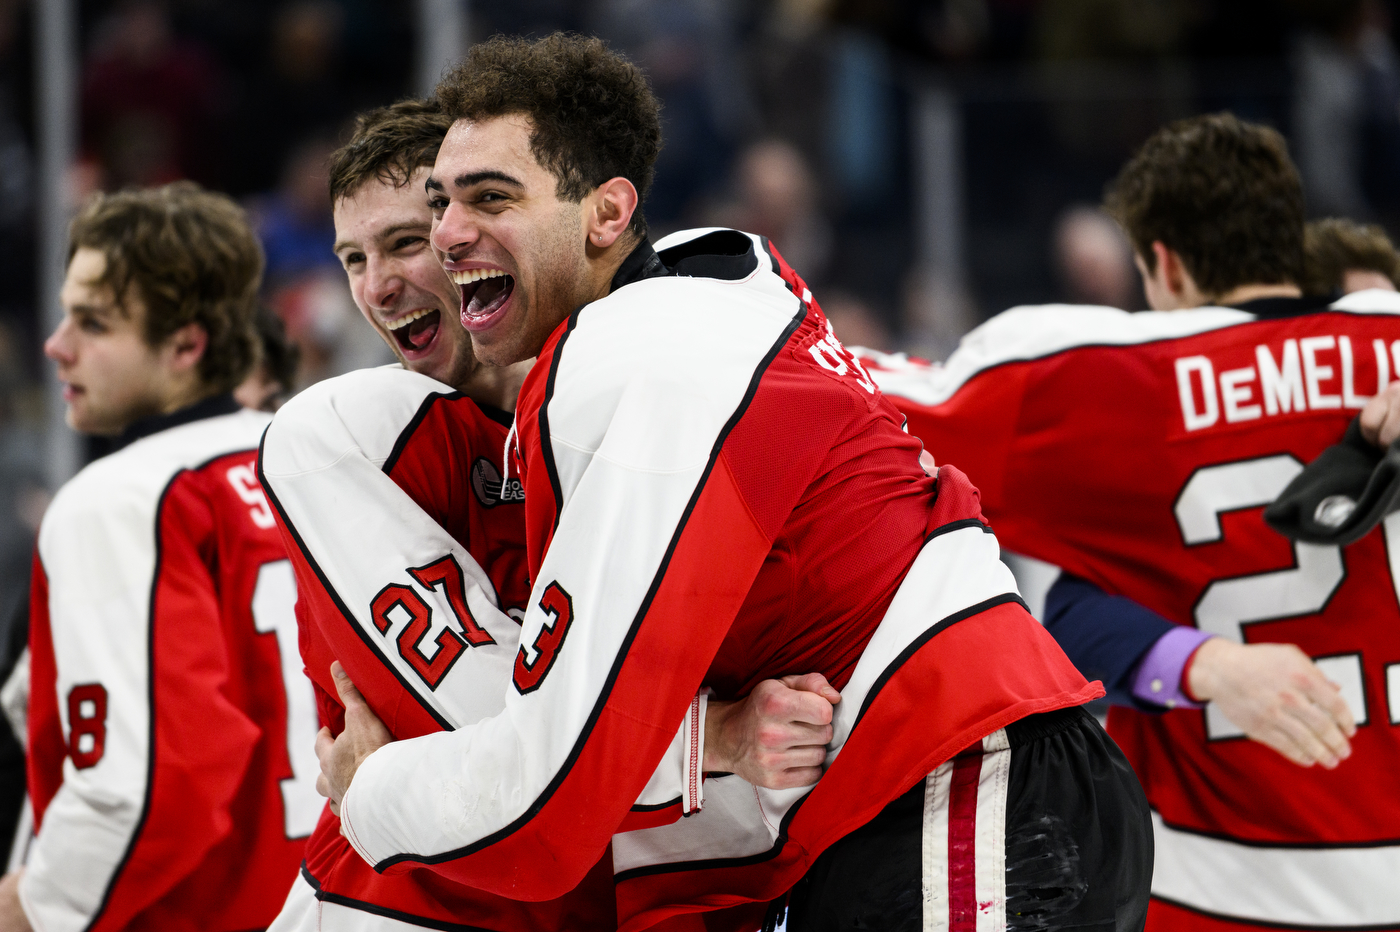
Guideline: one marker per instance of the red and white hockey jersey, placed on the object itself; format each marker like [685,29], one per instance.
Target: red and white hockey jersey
[409,548]
[734,502]
[171,732]
[1136,451]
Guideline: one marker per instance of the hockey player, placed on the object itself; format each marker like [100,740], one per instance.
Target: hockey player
[417,452]
[1342,256]
[715,494]
[171,768]
[1136,451]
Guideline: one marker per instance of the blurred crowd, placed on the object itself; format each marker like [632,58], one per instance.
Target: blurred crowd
[790,118]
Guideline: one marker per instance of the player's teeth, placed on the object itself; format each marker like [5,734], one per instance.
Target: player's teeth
[474,275]
[405,320]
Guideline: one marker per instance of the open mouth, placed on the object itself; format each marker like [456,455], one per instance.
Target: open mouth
[415,332]
[485,292]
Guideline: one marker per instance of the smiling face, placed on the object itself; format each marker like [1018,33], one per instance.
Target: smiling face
[112,377]
[381,234]
[516,251]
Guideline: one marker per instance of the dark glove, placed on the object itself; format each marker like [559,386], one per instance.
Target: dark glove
[1340,496]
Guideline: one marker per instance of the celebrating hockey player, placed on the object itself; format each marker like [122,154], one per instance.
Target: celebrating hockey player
[434,529]
[715,494]
[171,730]
[1136,451]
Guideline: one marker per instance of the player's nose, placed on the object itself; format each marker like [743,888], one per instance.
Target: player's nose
[383,284]
[455,232]
[59,345]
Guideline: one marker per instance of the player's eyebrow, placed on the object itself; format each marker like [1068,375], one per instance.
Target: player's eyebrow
[471,178]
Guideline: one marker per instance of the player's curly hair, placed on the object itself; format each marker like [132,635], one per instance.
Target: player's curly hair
[191,258]
[1222,193]
[388,144]
[594,116]
[1333,246]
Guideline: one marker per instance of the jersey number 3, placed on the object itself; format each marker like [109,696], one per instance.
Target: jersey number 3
[558,606]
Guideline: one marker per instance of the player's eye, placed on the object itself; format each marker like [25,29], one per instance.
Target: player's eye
[437,203]
[352,259]
[407,241]
[89,324]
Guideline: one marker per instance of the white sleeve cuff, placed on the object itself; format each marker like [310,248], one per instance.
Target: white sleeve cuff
[679,775]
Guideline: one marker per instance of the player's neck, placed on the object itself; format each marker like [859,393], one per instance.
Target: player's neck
[497,386]
[1245,293]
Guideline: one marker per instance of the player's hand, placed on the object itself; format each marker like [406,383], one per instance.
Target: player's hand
[1380,419]
[12,917]
[776,736]
[1278,696]
[342,755]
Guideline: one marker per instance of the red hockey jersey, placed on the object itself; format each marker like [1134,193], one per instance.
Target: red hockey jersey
[409,548]
[172,766]
[736,502]
[1137,451]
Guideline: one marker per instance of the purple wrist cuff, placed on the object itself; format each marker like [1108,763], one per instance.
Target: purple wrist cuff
[1158,679]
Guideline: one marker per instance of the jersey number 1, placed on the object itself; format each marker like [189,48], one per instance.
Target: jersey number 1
[274,610]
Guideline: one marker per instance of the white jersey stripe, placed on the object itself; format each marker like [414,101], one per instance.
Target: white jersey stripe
[938,788]
[1025,333]
[1324,887]
[991,832]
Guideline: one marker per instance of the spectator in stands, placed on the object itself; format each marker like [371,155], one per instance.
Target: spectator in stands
[1093,260]
[150,103]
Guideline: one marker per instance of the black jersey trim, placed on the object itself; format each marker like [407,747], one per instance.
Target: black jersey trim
[875,689]
[405,435]
[656,807]
[642,610]
[958,525]
[212,406]
[376,910]
[1257,923]
[500,416]
[335,594]
[546,445]
[727,255]
[151,700]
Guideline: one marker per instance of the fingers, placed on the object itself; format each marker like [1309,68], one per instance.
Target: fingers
[812,683]
[323,786]
[1327,697]
[1373,416]
[791,779]
[325,741]
[349,695]
[781,736]
[1314,732]
[1380,419]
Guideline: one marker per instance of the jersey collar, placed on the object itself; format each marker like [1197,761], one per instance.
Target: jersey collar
[213,406]
[642,262]
[1273,308]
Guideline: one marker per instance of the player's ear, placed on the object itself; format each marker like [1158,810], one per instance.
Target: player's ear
[185,347]
[608,211]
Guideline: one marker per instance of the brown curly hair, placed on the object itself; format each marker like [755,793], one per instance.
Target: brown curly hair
[192,258]
[1334,246]
[388,144]
[1222,193]
[594,116]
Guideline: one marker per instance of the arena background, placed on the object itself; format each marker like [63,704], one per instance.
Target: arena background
[925,164]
